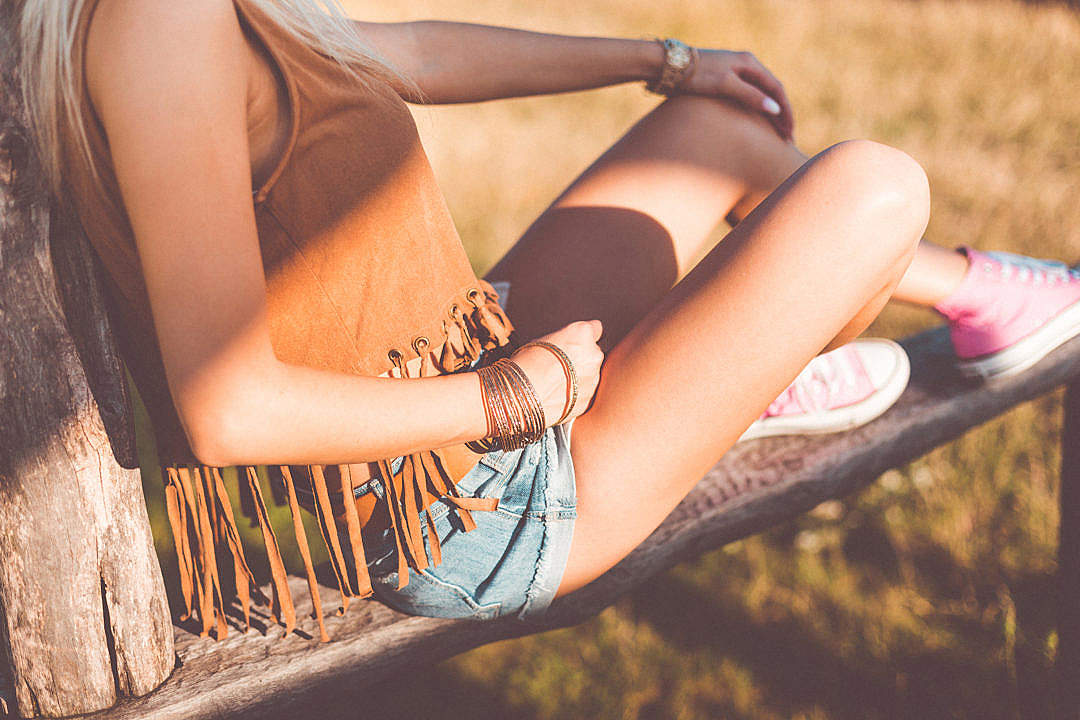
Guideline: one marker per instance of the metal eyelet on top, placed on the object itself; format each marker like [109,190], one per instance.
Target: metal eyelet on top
[454,310]
[394,355]
[472,294]
[420,344]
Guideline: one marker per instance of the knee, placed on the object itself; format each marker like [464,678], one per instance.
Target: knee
[720,119]
[887,186]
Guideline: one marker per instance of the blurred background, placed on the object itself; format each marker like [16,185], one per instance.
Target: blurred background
[930,594]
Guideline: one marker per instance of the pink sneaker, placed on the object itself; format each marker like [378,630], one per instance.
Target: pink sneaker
[838,390]
[1010,311]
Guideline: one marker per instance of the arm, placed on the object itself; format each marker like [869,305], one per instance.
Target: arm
[189,202]
[455,62]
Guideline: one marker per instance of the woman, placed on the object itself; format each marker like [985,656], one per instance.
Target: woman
[278,257]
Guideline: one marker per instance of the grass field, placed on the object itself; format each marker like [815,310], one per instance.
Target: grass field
[930,594]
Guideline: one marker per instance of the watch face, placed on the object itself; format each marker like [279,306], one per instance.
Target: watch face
[679,56]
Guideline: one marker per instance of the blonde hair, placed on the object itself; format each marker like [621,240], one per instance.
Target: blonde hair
[52,90]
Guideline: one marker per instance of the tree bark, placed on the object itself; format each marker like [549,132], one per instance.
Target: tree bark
[83,612]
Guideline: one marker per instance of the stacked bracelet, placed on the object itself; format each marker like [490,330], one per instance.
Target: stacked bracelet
[515,416]
[568,370]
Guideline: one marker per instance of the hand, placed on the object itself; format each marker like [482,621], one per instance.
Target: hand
[741,77]
[545,371]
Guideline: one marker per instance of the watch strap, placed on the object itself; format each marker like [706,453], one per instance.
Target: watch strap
[679,62]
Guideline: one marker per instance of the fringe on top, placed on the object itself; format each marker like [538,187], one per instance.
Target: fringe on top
[204,526]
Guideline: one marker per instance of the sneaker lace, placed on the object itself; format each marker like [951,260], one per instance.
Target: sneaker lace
[1033,270]
[824,378]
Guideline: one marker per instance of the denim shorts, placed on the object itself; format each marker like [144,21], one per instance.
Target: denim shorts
[513,560]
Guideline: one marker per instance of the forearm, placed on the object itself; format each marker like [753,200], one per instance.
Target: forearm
[301,415]
[456,62]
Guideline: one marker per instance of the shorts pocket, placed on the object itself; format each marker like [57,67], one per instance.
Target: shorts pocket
[444,590]
[489,476]
[450,589]
[431,596]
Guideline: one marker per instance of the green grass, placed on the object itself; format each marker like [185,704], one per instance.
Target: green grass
[928,595]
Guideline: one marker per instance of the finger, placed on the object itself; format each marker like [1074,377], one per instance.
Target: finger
[759,76]
[754,99]
[597,328]
[779,109]
[750,96]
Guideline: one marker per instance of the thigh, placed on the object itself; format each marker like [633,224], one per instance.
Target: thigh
[636,220]
[677,391]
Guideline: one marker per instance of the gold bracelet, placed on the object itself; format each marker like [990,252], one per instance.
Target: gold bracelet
[511,434]
[482,446]
[535,421]
[568,370]
[528,412]
[514,413]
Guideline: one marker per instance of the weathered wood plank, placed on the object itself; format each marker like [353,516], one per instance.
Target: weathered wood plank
[83,303]
[755,486]
[1068,654]
[83,611]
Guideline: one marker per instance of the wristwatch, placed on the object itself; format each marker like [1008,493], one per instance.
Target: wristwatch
[678,65]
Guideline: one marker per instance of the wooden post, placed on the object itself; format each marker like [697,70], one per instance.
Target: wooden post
[83,612]
[1068,651]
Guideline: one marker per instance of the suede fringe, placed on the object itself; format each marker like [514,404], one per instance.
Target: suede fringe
[203,524]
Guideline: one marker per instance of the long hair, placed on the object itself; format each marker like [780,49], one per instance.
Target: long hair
[52,90]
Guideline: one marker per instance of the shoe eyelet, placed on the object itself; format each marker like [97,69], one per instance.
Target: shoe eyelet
[394,355]
[420,344]
[454,310]
[472,295]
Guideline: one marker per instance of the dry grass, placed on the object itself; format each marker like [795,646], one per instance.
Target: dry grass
[931,593]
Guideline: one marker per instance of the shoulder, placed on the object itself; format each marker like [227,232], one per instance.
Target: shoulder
[145,53]
[150,29]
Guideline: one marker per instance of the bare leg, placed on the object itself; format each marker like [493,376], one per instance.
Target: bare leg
[680,388]
[623,232]
[933,274]
[633,223]
[691,367]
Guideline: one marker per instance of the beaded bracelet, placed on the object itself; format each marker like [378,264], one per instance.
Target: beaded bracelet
[515,416]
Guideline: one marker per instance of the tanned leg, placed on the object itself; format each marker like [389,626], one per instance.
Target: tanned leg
[691,366]
[934,272]
[812,262]
[652,201]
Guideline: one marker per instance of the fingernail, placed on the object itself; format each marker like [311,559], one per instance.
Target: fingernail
[770,106]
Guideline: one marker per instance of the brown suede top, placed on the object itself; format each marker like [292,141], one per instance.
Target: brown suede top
[365,274]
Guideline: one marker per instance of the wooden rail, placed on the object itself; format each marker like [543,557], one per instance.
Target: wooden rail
[755,486]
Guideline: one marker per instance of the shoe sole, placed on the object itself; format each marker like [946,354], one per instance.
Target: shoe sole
[845,418]
[1027,351]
